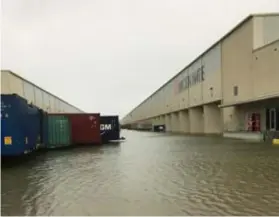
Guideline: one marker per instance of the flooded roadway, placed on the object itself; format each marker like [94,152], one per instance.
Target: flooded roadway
[149,174]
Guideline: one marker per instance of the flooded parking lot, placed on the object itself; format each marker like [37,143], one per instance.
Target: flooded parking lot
[149,174]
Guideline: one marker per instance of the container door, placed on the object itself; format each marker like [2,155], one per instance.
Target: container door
[110,128]
[86,129]
[41,114]
[45,130]
[59,131]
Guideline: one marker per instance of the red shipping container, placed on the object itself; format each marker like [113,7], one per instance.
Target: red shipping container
[85,127]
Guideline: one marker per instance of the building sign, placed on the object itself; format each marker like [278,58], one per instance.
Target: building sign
[192,79]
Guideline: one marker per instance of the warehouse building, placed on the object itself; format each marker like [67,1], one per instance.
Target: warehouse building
[231,89]
[12,83]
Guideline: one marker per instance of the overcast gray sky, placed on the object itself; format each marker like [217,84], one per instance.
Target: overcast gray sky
[106,55]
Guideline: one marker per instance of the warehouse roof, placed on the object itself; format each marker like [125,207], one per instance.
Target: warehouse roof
[5,70]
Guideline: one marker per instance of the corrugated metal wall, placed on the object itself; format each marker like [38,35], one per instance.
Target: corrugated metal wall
[28,90]
[237,65]
[265,67]
[11,83]
[211,86]
[39,100]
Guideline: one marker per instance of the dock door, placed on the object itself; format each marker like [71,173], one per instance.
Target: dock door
[272,119]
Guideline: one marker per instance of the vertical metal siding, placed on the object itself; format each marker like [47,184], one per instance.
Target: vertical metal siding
[257,32]
[46,102]
[271,29]
[176,96]
[168,97]
[264,30]
[52,104]
[160,102]
[182,89]
[62,107]
[212,74]
[56,105]
[38,97]
[195,89]
[5,83]
[167,106]
[29,92]
[15,84]
[151,107]
[212,61]
[11,83]
[21,123]
[85,128]
[59,131]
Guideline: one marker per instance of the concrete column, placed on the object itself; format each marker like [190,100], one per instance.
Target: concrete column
[231,119]
[212,119]
[174,122]
[168,122]
[162,120]
[184,122]
[196,120]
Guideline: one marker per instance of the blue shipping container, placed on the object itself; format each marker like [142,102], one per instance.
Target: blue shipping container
[43,129]
[20,126]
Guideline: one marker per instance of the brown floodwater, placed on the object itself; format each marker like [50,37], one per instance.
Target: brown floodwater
[149,174]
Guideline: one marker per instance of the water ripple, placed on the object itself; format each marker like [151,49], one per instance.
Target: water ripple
[150,174]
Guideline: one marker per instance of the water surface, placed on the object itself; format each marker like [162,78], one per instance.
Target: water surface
[149,174]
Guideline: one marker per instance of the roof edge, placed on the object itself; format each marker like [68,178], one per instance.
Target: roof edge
[265,14]
[13,73]
[209,48]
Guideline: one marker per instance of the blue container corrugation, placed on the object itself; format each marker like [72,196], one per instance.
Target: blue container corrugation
[43,126]
[33,127]
[20,126]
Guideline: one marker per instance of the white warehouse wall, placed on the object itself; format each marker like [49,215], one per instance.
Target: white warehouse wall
[12,83]
[264,30]
[228,63]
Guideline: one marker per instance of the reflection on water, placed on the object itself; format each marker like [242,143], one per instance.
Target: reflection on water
[149,174]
